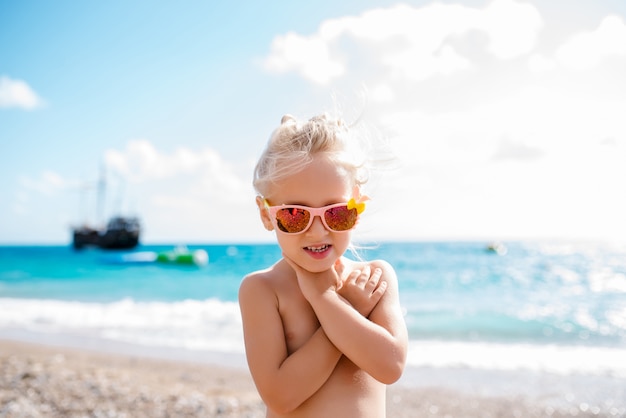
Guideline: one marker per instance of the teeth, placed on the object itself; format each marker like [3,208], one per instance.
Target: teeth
[318,249]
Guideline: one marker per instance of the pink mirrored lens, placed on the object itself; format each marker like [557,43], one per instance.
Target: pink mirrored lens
[340,218]
[292,220]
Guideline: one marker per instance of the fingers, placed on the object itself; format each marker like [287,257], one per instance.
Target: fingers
[363,276]
[374,279]
[368,279]
[359,277]
[379,291]
[351,279]
[365,279]
[364,288]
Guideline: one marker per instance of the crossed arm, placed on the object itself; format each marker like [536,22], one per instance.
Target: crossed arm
[360,319]
[375,340]
[284,380]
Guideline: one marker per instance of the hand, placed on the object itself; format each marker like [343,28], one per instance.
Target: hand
[314,284]
[363,289]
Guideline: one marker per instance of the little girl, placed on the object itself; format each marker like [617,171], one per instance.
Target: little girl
[324,334]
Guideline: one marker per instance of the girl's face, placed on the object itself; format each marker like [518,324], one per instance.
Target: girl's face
[321,183]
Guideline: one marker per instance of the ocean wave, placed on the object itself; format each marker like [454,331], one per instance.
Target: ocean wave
[545,358]
[215,325]
[190,324]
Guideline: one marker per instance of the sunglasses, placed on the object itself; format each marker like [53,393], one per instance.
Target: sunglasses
[295,219]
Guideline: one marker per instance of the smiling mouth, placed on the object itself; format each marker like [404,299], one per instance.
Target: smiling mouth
[319,249]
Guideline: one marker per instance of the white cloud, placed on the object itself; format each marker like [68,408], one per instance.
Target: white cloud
[141,162]
[490,148]
[406,42]
[515,150]
[17,93]
[381,93]
[586,50]
[539,161]
[180,174]
[538,63]
[48,183]
[186,194]
[44,191]
[310,56]
[512,26]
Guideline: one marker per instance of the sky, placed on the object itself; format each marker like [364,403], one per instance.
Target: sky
[506,117]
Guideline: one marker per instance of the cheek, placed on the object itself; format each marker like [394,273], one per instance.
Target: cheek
[285,242]
[345,239]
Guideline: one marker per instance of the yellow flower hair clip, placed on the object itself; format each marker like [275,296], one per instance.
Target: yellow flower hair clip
[357,201]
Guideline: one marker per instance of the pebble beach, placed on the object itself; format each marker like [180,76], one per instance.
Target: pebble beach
[52,381]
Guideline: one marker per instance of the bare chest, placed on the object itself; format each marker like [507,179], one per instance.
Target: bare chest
[299,320]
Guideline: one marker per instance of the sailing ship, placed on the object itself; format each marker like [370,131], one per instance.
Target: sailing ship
[121,232]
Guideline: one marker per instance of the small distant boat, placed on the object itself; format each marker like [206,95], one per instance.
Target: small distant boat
[497,248]
[121,233]
[179,255]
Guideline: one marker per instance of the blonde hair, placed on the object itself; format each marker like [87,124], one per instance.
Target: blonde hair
[294,144]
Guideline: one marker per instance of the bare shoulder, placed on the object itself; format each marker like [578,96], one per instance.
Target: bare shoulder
[257,281]
[389,275]
[262,282]
[383,265]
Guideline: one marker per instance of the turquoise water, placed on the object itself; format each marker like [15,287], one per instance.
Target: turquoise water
[540,306]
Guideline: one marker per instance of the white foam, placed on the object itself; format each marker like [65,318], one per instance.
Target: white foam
[557,359]
[198,325]
[214,325]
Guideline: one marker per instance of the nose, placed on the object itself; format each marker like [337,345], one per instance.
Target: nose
[317,227]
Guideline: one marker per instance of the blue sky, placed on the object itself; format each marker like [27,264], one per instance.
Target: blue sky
[506,116]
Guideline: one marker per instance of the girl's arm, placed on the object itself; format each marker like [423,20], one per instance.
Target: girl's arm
[376,344]
[284,380]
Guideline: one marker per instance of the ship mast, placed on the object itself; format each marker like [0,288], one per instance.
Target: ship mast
[101,195]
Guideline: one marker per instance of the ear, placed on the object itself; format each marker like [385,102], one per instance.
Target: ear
[264,214]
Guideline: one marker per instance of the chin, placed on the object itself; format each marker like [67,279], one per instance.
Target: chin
[318,266]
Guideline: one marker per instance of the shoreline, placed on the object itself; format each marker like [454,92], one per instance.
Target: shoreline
[52,380]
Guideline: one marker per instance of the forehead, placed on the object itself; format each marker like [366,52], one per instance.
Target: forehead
[319,183]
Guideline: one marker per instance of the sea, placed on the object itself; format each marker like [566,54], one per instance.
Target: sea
[532,319]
